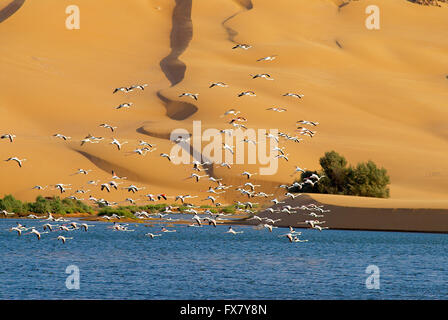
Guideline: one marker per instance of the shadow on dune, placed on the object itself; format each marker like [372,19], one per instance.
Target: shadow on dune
[109,166]
[177,110]
[245,3]
[180,37]
[231,33]
[10,9]
[173,68]
[144,131]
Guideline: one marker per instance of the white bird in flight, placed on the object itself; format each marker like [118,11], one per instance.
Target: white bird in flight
[196,176]
[114,176]
[269,58]
[165,155]
[62,187]
[226,131]
[197,219]
[277,109]
[107,126]
[17,229]
[37,233]
[317,227]
[146,144]
[16,159]
[143,151]
[313,123]
[252,186]
[86,226]
[85,140]
[37,187]
[212,199]
[152,235]
[132,188]
[138,86]
[242,46]
[294,95]
[225,164]
[124,105]
[122,89]
[298,169]
[191,95]
[63,239]
[228,148]
[282,156]
[218,84]
[266,76]
[248,174]
[275,201]
[118,143]
[271,136]
[82,171]
[247,93]
[105,186]
[233,231]
[8,136]
[231,111]
[58,135]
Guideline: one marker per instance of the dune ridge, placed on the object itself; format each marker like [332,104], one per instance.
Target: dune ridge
[231,33]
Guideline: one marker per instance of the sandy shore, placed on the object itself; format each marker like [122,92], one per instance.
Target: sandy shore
[363,218]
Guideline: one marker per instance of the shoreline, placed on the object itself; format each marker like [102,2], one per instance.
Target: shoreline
[416,220]
[365,218]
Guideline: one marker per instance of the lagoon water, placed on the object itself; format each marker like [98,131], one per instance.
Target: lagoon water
[207,263]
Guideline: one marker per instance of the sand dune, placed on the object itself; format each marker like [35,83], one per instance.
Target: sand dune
[377,94]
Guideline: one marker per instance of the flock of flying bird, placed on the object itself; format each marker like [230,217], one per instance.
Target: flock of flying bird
[248,189]
[64,226]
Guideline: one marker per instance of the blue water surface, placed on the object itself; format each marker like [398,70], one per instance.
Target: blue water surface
[207,263]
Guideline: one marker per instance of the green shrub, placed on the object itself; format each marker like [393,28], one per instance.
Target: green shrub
[10,204]
[365,179]
[120,211]
[44,205]
[228,209]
